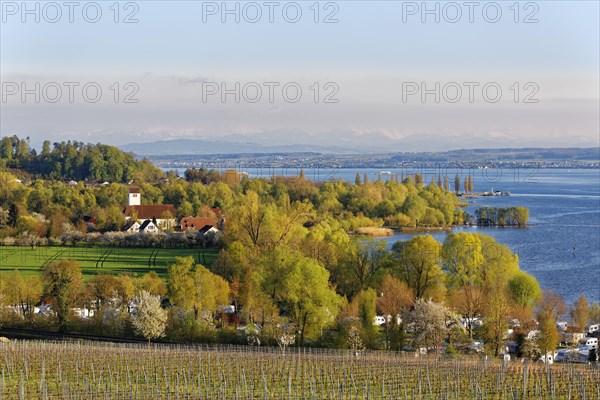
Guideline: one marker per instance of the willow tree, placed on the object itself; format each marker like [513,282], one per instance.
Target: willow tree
[300,286]
[418,263]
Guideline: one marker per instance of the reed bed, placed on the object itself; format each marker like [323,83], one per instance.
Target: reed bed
[89,370]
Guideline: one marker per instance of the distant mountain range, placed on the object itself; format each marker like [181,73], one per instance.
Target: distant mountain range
[339,142]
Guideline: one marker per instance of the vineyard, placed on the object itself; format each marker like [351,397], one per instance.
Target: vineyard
[97,260]
[84,370]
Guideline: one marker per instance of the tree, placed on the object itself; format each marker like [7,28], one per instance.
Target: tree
[418,180]
[495,326]
[548,336]
[46,148]
[419,266]
[463,260]
[551,305]
[521,215]
[63,284]
[394,297]
[428,320]
[103,288]
[300,286]
[181,283]
[365,259]
[24,293]
[456,183]
[211,291]
[149,320]
[357,180]
[153,284]
[367,311]
[524,290]
[580,313]
[595,312]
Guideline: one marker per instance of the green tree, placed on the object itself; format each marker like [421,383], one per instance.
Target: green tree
[181,283]
[420,266]
[211,291]
[301,286]
[364,260]
[357,180]
[522,216]
[367,311]
[524,290]
[63,285]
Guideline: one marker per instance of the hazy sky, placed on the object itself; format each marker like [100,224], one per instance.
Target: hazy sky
[364,73]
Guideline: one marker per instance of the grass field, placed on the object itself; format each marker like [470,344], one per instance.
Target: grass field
[98,260]
[47,370]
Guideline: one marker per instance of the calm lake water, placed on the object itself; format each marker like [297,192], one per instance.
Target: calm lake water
[561,247]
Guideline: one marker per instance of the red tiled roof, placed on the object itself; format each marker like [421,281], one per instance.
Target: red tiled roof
[150,211]
[134,190]
[196,223]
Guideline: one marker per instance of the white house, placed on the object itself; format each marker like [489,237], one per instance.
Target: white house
[132,227]
[148,227]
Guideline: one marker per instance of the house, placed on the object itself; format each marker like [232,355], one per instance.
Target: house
[163,214]
[148,227]
[132,226]
[210,231]
[192,223]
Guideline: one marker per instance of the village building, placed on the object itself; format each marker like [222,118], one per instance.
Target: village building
[148,227]
[161,215]
[193,223]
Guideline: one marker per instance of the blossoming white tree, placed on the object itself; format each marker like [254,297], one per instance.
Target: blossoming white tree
[150,319]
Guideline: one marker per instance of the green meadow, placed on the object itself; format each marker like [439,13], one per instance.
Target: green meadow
[99,260]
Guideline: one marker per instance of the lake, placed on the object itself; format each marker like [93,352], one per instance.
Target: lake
[561,247]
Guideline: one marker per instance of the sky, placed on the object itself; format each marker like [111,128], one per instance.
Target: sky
[505,73]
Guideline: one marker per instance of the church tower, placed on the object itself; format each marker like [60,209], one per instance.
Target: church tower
[135,197]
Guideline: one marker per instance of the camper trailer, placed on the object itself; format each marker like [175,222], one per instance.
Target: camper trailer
[589,343]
